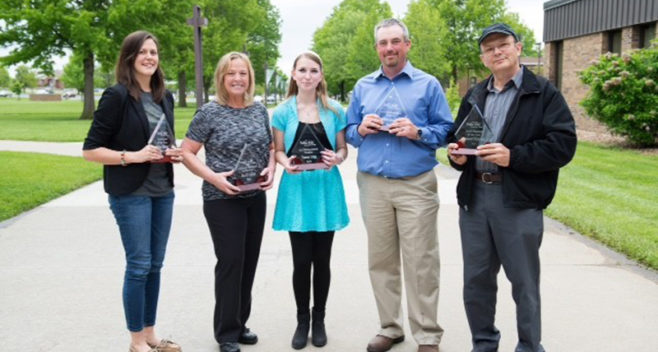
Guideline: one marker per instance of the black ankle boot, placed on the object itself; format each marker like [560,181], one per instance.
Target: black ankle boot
[318,334]
[300,338]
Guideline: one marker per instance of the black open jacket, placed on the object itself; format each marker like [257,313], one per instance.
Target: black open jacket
[120,123]
[540,134]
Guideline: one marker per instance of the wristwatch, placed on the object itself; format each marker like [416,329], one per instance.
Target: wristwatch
[419,134]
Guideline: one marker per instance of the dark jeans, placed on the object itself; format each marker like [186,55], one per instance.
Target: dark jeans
[144,223]
[236,227]
[311,249]
[493,235]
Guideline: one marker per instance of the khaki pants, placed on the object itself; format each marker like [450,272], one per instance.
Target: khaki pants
[400,216]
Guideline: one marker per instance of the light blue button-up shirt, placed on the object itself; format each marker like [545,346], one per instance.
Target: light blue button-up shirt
[384,154]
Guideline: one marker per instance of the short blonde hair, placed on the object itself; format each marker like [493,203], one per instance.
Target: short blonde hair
[222,69]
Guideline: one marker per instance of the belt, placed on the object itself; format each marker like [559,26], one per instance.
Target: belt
[489,177]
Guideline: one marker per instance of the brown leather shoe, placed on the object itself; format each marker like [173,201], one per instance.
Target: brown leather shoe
[428,348]
[381,343]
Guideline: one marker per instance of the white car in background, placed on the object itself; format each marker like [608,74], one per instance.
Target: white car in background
[44,91]
[69,93]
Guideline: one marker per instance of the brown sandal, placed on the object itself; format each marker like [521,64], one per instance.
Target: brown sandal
[166,346]
[153,349]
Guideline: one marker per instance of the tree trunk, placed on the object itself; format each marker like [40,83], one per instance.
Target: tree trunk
[206,87]
[454,74]
[342,91]
[88,106]
[182,88]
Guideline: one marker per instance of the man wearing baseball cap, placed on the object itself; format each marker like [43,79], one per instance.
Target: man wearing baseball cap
[505,186]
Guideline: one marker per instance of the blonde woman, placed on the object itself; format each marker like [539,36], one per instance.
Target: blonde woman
[235,218]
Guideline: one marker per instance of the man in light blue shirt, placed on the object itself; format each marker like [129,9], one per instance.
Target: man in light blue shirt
[397,118]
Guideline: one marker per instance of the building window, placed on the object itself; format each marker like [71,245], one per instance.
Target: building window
[647,34]
[614,41]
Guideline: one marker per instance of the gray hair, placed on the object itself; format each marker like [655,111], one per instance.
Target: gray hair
[393,22]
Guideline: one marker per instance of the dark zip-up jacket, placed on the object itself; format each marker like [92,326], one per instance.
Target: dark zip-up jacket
[120,123]
[540,133]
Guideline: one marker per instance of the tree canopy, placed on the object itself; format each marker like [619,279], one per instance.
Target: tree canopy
[94,29]
[25,78]
[41,30]
[346,42]
[444,37]
[73,75]
[448,31]
[251,26]
[5,80]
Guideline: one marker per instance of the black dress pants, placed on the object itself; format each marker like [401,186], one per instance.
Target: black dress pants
[236,226]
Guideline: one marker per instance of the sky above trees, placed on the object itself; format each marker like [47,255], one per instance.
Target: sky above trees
[297,31]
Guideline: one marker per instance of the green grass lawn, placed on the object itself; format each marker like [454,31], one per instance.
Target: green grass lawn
[28,179]
[611,195]
[58,121]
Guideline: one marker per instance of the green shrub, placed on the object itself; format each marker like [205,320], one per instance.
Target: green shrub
[452,95]
[624,94]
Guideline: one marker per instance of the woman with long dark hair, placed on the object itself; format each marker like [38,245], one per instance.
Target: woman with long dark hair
[138,176]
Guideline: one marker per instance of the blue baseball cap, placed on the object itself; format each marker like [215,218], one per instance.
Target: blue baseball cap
[501,28]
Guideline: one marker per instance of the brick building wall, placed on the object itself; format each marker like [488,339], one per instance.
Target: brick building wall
[578,54]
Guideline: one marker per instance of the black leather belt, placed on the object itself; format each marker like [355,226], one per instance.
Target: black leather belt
[489,177]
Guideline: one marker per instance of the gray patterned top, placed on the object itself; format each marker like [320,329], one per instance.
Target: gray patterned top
[223,131]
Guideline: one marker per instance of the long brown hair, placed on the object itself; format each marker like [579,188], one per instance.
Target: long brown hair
[221,70]
[125,69]
[320,90]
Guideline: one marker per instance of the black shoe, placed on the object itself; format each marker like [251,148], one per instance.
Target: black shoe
[300,338]
[247,337]
[229,347]
[318,332]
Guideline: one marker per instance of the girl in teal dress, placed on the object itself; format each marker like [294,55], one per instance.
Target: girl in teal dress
[311,204]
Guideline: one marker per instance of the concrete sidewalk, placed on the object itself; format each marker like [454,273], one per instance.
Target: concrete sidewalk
[61,271]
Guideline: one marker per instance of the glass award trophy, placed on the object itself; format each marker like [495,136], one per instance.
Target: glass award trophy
[306,151]
[163,138]
[390,109]
[246,174]
[475,132]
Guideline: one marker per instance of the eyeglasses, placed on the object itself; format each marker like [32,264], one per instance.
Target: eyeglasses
[489,50]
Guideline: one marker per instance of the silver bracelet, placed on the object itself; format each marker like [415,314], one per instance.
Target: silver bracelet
[123,158]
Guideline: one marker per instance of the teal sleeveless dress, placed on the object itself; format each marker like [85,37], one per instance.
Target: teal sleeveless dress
[310,200]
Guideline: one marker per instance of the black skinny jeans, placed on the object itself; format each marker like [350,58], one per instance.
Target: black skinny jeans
[236,227]
[311,249]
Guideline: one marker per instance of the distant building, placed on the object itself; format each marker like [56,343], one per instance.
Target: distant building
[576,32]
[52,82]
[535,64]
